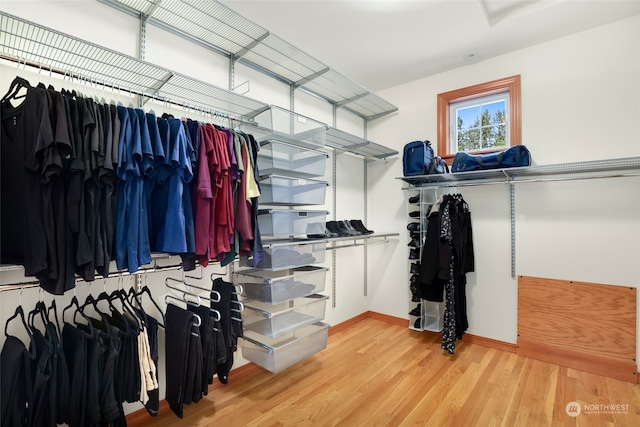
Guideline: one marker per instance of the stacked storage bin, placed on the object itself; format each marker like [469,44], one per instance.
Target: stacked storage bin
[283,308]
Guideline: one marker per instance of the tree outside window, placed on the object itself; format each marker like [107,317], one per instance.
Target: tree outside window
[481,125]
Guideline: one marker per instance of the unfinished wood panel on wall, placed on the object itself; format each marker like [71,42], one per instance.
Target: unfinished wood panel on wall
[581,325]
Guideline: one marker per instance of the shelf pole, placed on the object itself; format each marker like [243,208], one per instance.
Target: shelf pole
[365,213]
[512,196]
[232,72]
[142,43]
[334,195]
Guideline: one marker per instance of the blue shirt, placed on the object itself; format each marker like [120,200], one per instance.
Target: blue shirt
[177,171]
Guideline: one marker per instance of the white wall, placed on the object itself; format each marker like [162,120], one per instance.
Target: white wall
[580,101]
[577,104]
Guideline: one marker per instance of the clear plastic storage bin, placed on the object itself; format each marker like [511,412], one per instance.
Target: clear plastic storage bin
[277,124]
[275,287]
[291,160]
[433,315]
[277,354]
[281,190]
[286,223]
[292,254]
[275,320]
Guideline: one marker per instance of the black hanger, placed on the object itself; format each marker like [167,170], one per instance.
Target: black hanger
[74,301]
[104,296]
[19,312]
[145,290]
[93,302]
[40,309]
[55,316]
[121,295]
[17,84]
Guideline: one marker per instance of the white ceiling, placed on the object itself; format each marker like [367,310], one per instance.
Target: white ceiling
[384,43]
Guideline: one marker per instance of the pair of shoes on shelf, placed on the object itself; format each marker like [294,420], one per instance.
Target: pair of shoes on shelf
[413,227]
[414,214]
[418,323]
[415,242]
[415,267]
[342,228]
[346,228]
[413,287]
[414,199]
[357,223]
[414,253]
[415,311]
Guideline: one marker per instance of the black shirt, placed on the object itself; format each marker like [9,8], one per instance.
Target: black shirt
[25,135]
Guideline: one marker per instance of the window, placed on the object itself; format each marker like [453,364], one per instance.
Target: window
[481,118]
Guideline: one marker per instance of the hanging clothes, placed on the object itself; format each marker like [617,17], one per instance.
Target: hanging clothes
[172,177]
[27,138]
[152,403]
[192,136]
[15,363]
[91,183]
[179,352]
[243,226]
[230,324]
[223,205]
[446,258]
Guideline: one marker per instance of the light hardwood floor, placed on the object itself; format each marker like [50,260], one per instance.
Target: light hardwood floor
[376,373]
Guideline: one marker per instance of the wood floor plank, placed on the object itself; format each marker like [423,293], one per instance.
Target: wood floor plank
[375,373]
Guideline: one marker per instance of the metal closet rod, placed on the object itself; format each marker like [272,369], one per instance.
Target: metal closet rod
[33,284]
[78,77]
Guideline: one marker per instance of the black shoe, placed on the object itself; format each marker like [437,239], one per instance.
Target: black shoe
[415,235]
[415,311]
[414,214]
[345,231]
[418,323]
[351,228]
[413,287]
[332,226]
[414,199]
[358,225]
[414,253]
[415,267]
[415,242]
[414,226]
[414,295]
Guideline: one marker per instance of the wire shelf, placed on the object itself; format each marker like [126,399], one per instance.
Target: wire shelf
[24,41]
[221,29]
[344,141]
[607,168]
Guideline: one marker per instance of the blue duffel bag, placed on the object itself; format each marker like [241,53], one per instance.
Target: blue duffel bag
[416,158]
[515,156]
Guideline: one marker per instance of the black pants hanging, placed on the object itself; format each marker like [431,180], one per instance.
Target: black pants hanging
[179,327]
